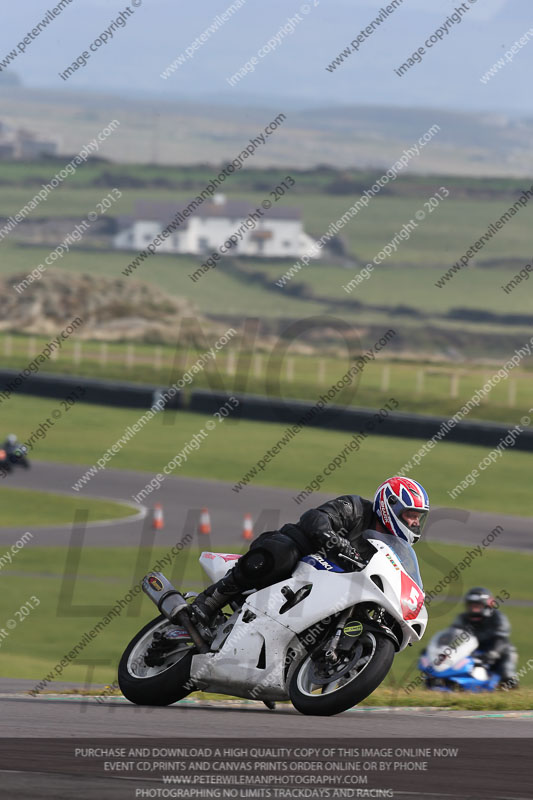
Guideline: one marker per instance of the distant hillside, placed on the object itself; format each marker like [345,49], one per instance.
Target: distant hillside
[156,131]
[9,79]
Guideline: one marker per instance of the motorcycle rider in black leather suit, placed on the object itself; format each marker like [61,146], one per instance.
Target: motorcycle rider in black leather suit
[11,443]
[400,507]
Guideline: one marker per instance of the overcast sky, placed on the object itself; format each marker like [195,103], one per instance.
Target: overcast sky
[160,30]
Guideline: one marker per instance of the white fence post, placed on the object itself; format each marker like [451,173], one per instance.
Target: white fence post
[130,356]
[511,396]
[230,363]
[420,376]
[454,385]
[290,369]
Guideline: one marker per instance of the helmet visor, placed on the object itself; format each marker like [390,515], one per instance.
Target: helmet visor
[475,610]
[412,518]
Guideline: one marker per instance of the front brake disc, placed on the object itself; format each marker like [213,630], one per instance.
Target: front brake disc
[327,672]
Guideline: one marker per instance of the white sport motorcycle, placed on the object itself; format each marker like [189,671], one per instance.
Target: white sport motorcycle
[324,639]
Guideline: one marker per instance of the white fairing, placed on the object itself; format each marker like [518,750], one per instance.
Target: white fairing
[251,661]
[217,564]
[445,655]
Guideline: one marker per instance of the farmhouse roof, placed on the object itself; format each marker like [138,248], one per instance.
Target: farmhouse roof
[230,209]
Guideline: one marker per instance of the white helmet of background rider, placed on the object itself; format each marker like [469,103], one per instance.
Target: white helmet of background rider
[12,439]
[393,498]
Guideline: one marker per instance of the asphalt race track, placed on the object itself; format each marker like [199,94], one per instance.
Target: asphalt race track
[45,716]
[52,717]
[46,774]
[182,499]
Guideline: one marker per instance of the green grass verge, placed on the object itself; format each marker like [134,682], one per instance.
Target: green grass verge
[76,589]
[234,446]
[516,700]
[520,700]
[28,508]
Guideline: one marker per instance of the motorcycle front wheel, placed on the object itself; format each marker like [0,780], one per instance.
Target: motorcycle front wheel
[155,685]
[322,688]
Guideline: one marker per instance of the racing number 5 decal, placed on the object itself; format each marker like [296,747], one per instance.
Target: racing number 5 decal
[412,598]
[412,602]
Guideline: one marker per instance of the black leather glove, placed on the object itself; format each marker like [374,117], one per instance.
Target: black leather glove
[335,543]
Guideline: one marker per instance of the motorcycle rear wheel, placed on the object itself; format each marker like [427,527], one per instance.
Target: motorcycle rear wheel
[363,677]
[159,685]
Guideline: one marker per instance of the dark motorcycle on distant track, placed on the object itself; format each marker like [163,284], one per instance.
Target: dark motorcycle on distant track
[5,465]
[13,457]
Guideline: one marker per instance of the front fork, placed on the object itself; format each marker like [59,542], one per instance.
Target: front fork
[376,625]
[331,653]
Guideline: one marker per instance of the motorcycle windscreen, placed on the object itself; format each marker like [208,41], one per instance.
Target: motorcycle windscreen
[449,636]
[402,550]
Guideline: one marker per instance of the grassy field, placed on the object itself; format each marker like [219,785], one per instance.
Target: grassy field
[440,239]
[401,291]
[438,242]
[104,576]
[25,508]
[220,292]
[234,446]
[180,178]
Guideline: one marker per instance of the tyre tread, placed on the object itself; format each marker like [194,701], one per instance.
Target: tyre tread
[158,690]
[350,695]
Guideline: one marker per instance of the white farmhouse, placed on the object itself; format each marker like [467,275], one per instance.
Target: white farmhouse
[274,233]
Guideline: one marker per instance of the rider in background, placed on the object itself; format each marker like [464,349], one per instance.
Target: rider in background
[11,443]
[492,630]
[400,507]
[15,454]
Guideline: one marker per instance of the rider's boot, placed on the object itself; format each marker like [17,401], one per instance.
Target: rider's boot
[212,599]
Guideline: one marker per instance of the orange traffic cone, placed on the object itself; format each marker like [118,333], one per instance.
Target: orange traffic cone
[204,526]
[247,528]
[158,520]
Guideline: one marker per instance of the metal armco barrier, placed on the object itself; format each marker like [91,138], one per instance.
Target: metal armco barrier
[353,420]
[263,409]
[100,392]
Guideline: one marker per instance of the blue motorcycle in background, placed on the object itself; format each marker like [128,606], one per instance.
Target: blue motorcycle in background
[452,662]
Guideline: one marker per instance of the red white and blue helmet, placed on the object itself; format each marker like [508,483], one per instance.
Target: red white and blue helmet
[392,498]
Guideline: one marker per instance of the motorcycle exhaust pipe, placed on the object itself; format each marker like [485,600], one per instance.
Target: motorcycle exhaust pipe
[161,592]
[172,605]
